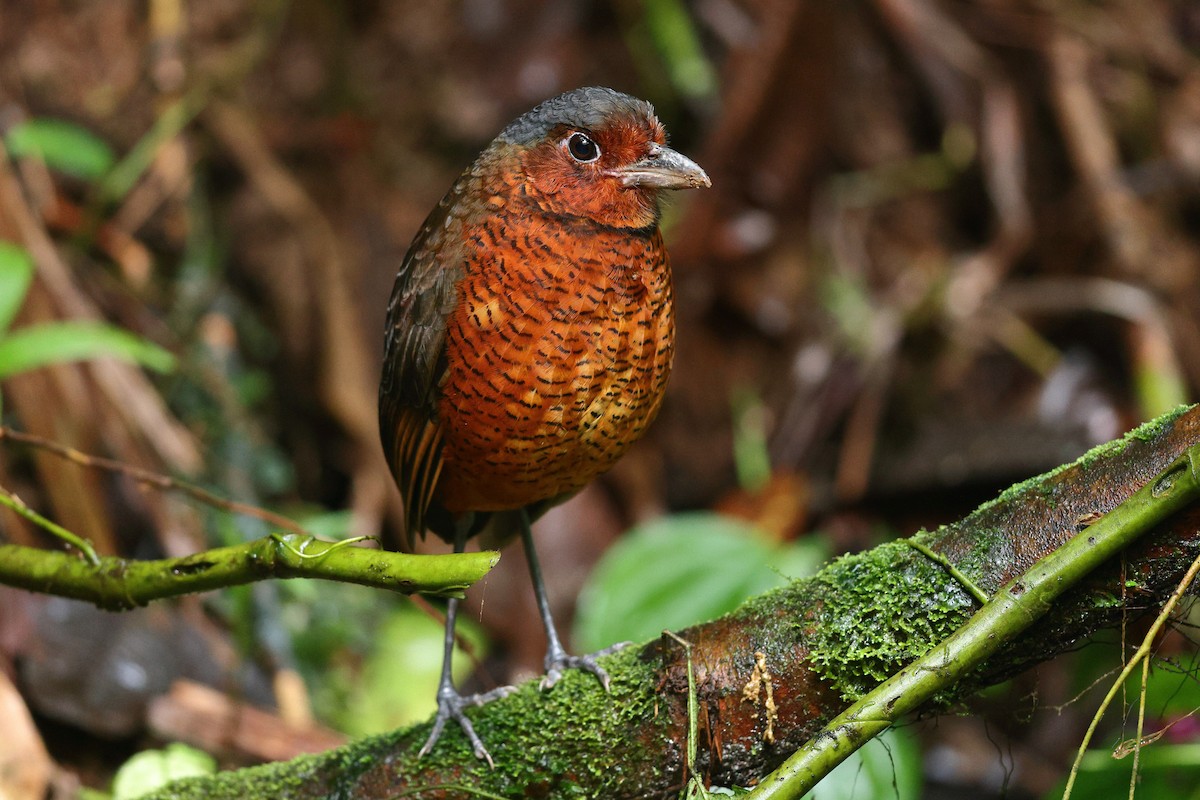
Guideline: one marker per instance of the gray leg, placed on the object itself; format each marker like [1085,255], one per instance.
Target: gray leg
[450,702]
[557,658]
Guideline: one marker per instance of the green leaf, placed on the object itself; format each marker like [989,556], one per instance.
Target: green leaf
[16,271]
[1165,772]
[152,769]
[56,342]
[64,146]
[680,570]
[887,766]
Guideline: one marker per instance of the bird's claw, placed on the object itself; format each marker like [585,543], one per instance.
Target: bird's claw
[556,662]
[450,706]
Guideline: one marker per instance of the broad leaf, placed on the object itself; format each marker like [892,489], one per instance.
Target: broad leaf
[680,570]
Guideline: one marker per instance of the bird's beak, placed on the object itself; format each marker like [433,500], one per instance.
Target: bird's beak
[663,168]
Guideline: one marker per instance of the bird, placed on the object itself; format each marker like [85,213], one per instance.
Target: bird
[529,337]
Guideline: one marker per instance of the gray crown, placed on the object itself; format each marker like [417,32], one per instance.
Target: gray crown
[587,108]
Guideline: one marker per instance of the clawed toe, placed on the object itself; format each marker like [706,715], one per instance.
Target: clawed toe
[557,662]
[450,706]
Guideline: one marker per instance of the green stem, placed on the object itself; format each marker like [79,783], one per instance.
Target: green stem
[17,505]
[118,583]
[953,571]
[1017,606]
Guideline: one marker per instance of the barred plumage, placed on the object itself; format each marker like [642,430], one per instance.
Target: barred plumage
[530,331]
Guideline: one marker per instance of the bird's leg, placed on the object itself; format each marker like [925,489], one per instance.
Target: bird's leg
[557,658]
[450,703]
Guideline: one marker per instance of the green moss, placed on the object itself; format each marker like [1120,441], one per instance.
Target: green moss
[594,717]
[1153,429]
[1044,484]
[1107,600]
[270,780]
[515,732]
[879,611]
[519,732]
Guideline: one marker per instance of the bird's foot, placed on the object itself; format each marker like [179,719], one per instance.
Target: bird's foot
[450,706]
[557,660]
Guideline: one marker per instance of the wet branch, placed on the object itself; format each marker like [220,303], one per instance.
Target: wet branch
[1018,605]
[820,643]
[121,583]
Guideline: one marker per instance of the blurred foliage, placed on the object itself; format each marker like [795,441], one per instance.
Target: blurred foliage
[372,661]
[16,271]
[150,769]
[379,698]
[679,45]
[948,245]
[888,766]
[1169,760]
[1165,772]
[751,454]
[39,345]
[680,570]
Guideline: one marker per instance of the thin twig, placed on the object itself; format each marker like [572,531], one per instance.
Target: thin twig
[1141,729]
[155,479]
[945,564]
[1142,652]
[694,786]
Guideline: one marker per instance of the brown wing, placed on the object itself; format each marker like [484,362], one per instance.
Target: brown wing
[414,361]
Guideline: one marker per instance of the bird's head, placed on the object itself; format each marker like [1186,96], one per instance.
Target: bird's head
[600,155]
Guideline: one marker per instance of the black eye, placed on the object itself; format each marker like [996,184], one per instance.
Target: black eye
[582,148]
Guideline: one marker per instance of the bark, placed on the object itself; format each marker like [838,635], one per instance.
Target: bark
[822,641]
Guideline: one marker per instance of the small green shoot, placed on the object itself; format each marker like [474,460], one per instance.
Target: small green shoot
[63,146]
[149,770]
[751,458]
[678,42]
[695,786]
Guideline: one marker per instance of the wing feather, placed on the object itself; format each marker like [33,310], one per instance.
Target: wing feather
[423,297]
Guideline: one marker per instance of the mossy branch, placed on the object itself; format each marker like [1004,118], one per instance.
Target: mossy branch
[1018,605]
[120,583]
[822,642]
